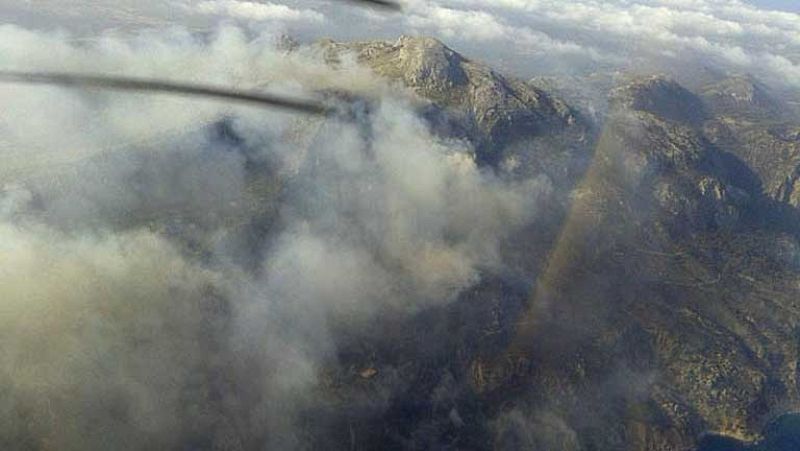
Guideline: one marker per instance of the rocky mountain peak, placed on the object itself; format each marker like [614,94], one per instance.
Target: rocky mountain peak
[495,110]
[425,60]
[662,97]
[425,64]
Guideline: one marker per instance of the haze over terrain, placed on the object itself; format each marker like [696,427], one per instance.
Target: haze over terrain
[527,224]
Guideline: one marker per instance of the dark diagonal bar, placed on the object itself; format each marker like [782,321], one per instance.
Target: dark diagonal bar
[162,86]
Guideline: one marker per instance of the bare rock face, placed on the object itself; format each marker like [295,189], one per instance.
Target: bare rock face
[771,150]
[424,64]
[741,96]
[759,129]
[494,111]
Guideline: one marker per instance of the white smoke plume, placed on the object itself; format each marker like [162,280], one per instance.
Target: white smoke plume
[178,273]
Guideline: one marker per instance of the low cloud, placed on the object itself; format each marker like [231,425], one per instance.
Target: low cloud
[526,36]
[257,11]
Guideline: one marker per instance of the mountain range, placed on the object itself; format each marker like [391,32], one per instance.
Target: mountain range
[454,259]
[657,305]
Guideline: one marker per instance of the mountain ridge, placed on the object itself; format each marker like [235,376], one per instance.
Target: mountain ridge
[495,110]
[659,270]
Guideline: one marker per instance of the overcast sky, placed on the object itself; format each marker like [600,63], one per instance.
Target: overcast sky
[527,37]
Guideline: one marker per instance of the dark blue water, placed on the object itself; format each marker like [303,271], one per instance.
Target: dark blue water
[783,434]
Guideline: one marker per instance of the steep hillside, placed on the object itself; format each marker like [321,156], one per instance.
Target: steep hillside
[761,130]
[666,308]
[511,123]
[670,311]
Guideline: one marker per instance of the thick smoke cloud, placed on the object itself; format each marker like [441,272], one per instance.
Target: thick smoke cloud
[177,273]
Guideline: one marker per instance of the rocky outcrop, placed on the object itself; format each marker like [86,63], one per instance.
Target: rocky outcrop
[662,97]
[497,113]
[771,150]
[741,96]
